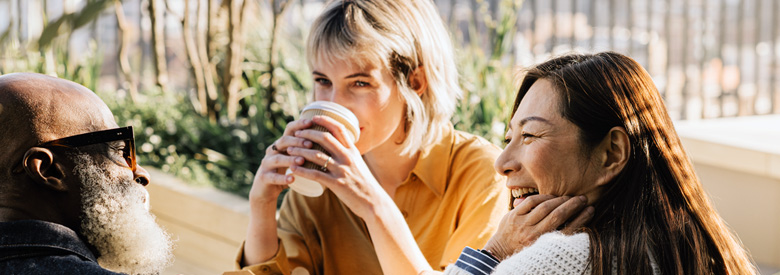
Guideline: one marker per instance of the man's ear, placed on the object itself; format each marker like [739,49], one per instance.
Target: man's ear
[40,164]
[613,152]
[417,80]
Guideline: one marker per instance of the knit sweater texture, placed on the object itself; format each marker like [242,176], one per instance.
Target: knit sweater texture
[552,253]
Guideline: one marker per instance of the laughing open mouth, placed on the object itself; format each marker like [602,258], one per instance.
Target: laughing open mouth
[524,192]
[521,193]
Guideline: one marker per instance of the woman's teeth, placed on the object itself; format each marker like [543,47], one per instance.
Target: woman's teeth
[524,192]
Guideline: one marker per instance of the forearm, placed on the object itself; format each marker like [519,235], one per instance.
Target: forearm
[395,246]
[262,241]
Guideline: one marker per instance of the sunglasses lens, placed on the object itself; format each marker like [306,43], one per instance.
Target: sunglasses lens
[129,154]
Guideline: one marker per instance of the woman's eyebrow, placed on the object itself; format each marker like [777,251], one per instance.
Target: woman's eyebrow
[360,74]
[526,120]
[532,118]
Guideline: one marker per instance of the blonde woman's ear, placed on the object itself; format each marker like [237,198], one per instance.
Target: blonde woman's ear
[417,80]
[614,152]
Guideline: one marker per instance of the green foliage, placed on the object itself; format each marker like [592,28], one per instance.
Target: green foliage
[170,135]
[67,23]
[487,78]
[85,72]
[173,136]
[488,94]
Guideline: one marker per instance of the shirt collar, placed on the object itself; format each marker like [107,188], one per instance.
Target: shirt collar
[433,164]
[35,233]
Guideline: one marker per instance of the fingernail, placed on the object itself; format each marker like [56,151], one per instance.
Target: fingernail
[590,210]
[297,133]
[289,179]
[299,160]
[583,198]
[307,144]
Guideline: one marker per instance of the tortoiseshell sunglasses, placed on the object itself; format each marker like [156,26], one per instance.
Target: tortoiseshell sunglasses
[124,134]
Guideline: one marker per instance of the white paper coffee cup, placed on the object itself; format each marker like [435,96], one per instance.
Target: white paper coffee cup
[339,113]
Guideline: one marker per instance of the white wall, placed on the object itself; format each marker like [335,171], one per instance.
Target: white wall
[738,162]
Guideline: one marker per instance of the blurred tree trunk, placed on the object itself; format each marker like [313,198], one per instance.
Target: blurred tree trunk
[213,12]
[208,68]
[48,52]
[451,14]
[143,42]
[158,45]
[231,80]
[192,55]
[17,35]
[20,23]
[278,7]
[213,8]
[124,41]
[13,34]
[7,39]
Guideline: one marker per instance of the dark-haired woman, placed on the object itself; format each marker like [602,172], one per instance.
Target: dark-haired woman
[596,126]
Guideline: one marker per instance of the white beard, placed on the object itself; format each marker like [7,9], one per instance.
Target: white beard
[117,223]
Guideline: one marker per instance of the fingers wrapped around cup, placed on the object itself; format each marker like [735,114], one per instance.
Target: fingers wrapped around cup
[333,131]
[347,137]
[289,140]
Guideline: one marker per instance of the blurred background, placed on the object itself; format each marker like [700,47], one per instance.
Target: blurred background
[209,84]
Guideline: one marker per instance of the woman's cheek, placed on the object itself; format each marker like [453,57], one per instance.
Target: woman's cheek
[545,168]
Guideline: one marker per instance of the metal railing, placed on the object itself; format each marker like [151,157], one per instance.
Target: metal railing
[709,58]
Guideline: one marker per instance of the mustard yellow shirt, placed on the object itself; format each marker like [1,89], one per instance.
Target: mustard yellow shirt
[453,198]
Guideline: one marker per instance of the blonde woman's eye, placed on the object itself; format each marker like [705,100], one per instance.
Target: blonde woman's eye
[361,84]
[322,81]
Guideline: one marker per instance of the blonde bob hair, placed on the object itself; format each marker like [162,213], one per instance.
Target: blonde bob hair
[402,36]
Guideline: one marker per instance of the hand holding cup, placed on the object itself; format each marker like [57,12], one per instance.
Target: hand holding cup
[339,114]
[347,175]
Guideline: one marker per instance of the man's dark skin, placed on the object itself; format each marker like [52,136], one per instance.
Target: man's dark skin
[38,183]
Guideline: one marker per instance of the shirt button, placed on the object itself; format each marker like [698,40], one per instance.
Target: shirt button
[265,269]
[406,214]
[414,177]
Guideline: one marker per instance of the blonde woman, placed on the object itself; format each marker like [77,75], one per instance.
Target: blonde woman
[390,63]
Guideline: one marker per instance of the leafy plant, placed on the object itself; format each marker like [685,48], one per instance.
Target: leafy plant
[487,73]
[174,138]
[211,149]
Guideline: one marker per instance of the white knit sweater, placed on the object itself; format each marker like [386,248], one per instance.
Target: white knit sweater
[552,253]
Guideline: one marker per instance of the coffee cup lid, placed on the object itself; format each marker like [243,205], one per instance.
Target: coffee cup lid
[337,109]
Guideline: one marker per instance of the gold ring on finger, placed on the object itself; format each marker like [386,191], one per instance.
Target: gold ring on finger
[325,166]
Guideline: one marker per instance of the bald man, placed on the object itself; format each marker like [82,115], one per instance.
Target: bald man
[72,199]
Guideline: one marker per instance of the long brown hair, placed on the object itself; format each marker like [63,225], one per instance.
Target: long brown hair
[656,206]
